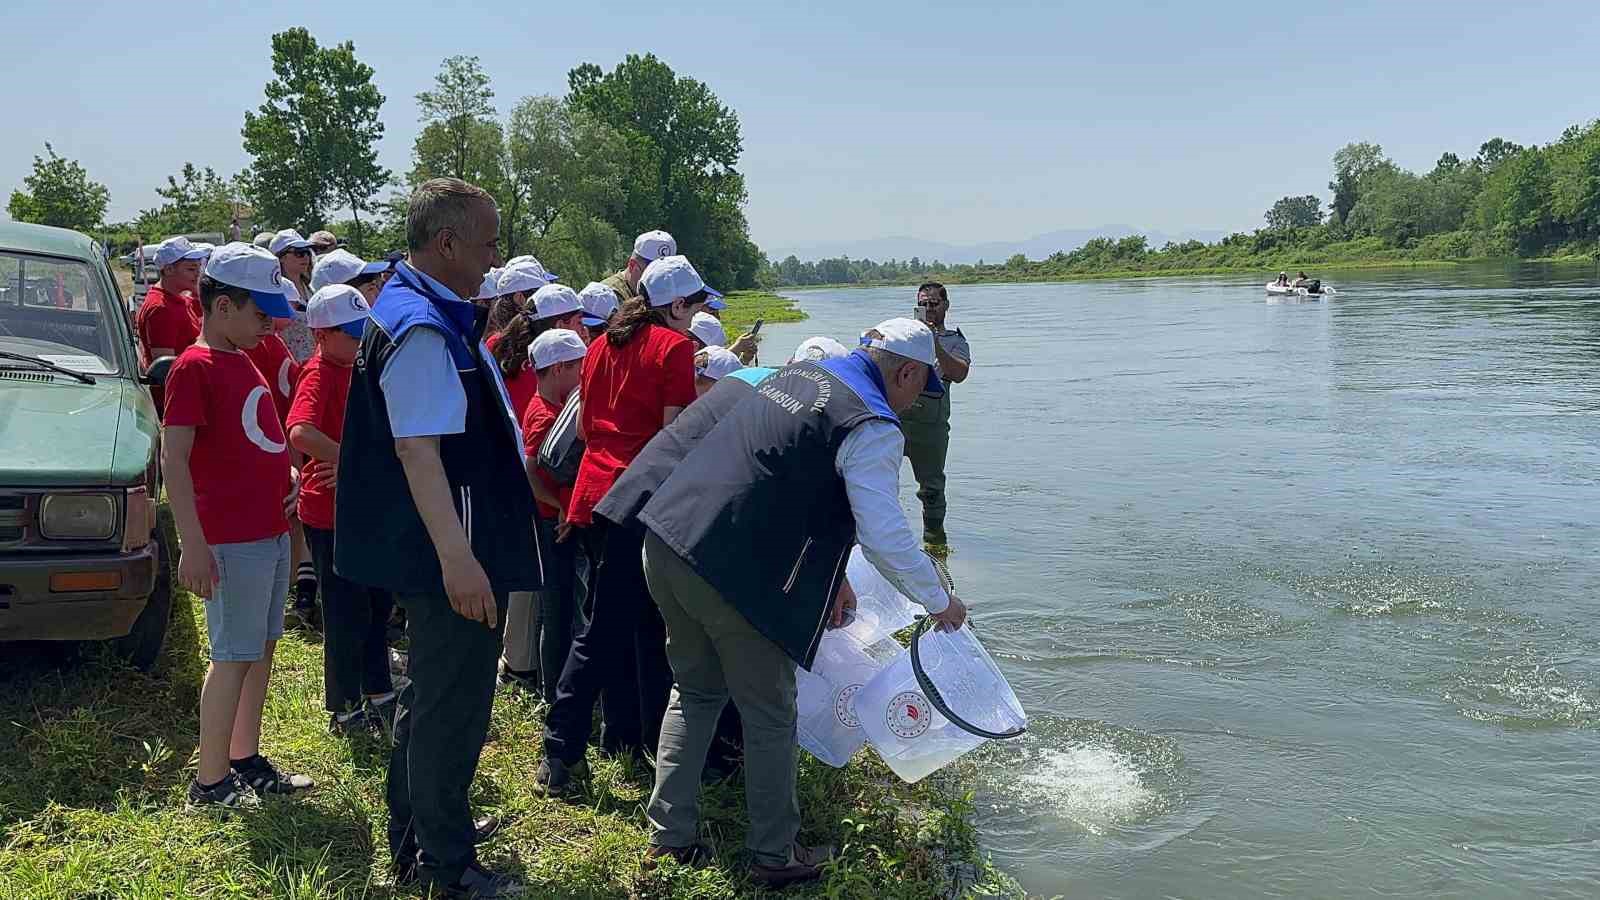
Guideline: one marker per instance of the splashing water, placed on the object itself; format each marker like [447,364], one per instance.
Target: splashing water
[1092,785]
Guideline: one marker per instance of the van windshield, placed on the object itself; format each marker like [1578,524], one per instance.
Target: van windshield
[56,310]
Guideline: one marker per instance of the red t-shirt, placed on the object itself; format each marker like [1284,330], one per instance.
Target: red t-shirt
[319,400]
[167,320]
[624,390]
[278,367]
[521,387]
[240,461]
[536,424]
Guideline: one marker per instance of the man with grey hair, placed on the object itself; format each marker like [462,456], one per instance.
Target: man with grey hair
[746,587]
[431,477]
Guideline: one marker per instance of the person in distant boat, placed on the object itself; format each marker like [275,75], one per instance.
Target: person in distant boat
[1283,279]
[1301,280]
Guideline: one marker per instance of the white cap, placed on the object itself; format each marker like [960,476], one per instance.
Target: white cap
[263,239]
[336,305]
[719,362]
[247,266]
[204,249]
[819,348]
[654,245]
[669,278]
[288,239]
[340,267]
[911,339]
[555,345]
[529,258]
[522,278]
[554,300]
[490,288]
[176,249]
[599,302]
[706,327]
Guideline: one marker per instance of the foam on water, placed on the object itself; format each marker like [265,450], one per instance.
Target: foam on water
[1093,785]
[1524,690]
[1092,775]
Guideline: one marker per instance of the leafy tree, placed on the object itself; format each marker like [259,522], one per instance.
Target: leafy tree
[563,165]
[1350,165]
[59,193]
[313,142]
[1295,212]
[456,109]
[1493,152]
[201,201]
[681,146]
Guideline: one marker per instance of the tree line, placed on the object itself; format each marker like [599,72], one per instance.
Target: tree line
[1505,201]
[576,176]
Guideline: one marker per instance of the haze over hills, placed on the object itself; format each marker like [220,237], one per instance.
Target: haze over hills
[1037,247]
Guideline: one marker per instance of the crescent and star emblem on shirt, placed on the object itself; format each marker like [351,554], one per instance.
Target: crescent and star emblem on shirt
[250,420]
[284,387]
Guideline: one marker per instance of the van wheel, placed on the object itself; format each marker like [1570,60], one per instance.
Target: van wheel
[142,645]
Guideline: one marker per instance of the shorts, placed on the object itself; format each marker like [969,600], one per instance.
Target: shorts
[245,609]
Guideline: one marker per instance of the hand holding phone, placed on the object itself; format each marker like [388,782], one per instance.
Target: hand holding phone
[756,328]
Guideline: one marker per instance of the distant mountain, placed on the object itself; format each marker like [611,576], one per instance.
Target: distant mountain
[1039,247]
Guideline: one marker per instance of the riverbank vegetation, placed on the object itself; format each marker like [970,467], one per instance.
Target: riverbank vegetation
[1507,201]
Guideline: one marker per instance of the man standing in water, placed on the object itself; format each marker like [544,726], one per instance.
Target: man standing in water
[926,424]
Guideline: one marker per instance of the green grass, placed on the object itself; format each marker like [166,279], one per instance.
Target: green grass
[744,307]
[97,756]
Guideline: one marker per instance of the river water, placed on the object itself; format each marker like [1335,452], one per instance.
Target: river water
[1301,598]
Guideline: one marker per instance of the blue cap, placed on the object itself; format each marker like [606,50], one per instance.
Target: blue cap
[274,305]
[354,328]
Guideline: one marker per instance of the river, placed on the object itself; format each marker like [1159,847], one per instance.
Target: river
[1301,598]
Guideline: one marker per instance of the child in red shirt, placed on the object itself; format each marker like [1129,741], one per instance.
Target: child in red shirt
[358,691]
[544,637]
[229,479]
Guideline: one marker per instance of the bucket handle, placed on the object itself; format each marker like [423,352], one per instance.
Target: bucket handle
[926,683]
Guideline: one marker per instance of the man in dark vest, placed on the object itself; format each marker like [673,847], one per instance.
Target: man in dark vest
[745,554]
[433,505]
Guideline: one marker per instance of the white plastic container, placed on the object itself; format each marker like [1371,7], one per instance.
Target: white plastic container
[847,658]
[907,729]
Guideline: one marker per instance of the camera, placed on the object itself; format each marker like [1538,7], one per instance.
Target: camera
[920,313]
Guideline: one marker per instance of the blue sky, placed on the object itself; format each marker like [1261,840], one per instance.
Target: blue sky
[953,122]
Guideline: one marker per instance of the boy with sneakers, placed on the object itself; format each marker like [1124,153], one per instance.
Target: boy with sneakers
[543,636]
[231,487]
[358,691]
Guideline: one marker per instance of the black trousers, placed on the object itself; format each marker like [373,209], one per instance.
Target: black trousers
[558,604]
[624,628]
[355,625]
[439,730]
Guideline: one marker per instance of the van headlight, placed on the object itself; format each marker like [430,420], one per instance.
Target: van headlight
[78,517]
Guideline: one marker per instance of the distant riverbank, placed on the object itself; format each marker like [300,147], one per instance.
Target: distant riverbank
[1267,271]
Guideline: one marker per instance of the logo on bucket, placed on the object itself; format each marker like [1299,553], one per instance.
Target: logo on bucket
[844,708]
[908,715]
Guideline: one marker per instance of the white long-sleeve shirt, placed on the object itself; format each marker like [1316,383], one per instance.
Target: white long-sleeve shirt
[869,463]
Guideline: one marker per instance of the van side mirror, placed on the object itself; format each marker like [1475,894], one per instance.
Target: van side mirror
[157,373]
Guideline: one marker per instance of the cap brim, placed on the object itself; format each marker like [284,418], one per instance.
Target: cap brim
[355,328]
[274,305]
[593,321]
[292,245]
[716,302]
[375,268]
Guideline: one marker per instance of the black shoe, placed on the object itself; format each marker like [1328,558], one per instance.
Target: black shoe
[555,778]
[527,681]
[479,883]
[230,793]
[265,779]
[362,721]
[805,864]
[696,855]
[484,828]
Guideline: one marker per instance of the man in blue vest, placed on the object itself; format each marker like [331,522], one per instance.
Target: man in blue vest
[745,555]
[433,505]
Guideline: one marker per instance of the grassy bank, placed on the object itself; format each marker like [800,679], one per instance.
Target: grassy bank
[744,307]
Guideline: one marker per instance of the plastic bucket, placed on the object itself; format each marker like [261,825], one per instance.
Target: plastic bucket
[826,726]
[938,700]
[848,658]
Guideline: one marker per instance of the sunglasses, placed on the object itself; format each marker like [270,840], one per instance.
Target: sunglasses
[298,251]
